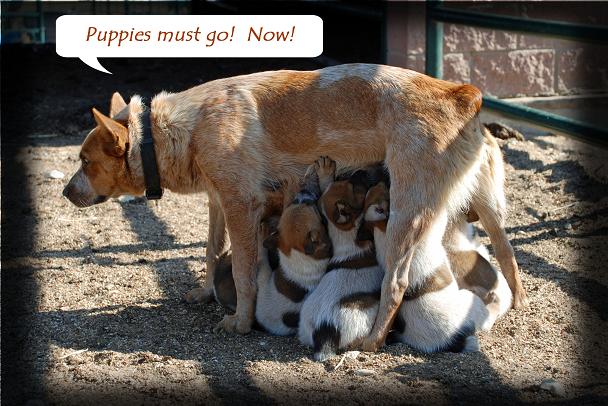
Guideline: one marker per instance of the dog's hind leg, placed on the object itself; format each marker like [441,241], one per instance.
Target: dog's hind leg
[419,191]
[414,205]
[490,206]
[493,225]
[216,246]
[242,220]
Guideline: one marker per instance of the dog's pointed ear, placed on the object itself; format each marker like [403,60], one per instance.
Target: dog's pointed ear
[119,110]
[117,104]
[116,136]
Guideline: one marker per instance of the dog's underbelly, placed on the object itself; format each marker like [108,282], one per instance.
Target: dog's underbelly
[350,150]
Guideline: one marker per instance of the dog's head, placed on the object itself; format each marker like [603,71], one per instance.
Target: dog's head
[104,170]
[342,202]
[301,228]
[376,205]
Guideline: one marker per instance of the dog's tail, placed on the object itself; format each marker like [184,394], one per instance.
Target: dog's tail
[326,341]
[224,288]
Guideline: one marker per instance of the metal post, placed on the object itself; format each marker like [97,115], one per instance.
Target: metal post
[434,43]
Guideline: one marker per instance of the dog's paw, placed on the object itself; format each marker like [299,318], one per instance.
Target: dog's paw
[199,295]
[232,324]
[520,299]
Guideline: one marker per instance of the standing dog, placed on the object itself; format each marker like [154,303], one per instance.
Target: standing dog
[234,137]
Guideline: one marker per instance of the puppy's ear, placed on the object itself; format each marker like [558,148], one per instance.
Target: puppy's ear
[272,241]
[472,216]
[117,104]
[115,135]
[342,215]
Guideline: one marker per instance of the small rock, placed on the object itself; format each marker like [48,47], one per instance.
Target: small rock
[352,354]
[364,372]
[504,132]
[568,226]
[126,198]
[553,386]
[55,174]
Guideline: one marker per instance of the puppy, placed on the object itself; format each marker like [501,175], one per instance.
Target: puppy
[303,246]
[341,311]
[435,314]
[470,264]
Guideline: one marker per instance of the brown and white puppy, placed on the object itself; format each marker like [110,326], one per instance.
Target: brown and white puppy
[232,137]
[435,315]
[341,311]
[470,265]
[303,246]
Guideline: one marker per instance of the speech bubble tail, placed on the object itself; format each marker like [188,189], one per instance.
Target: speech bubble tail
[94,63]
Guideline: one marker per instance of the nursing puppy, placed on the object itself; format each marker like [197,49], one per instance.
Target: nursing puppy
[435,314]
[234,137]
[301,241]
[341,311]
[470,265]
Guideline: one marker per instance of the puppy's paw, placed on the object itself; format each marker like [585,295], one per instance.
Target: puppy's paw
[326,171]
[199,295]
[491,298]
[326,167]
[520,299]
[231,324]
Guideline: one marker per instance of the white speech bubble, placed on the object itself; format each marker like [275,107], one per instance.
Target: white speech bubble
[89,37]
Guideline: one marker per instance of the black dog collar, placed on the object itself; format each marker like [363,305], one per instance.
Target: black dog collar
[148,160]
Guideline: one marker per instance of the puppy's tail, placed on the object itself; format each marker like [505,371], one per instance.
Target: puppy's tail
[224,289]
[326,341]
[464,341]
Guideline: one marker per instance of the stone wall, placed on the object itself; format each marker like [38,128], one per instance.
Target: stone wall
[506,64]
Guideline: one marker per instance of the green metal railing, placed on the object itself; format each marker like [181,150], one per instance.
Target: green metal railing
[436,15]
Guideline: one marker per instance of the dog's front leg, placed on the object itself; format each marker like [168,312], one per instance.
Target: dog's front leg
[413,200]
[398,258]
[242,220]
[216,245]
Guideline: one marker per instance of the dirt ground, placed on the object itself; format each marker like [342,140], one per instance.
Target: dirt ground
[103,318]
